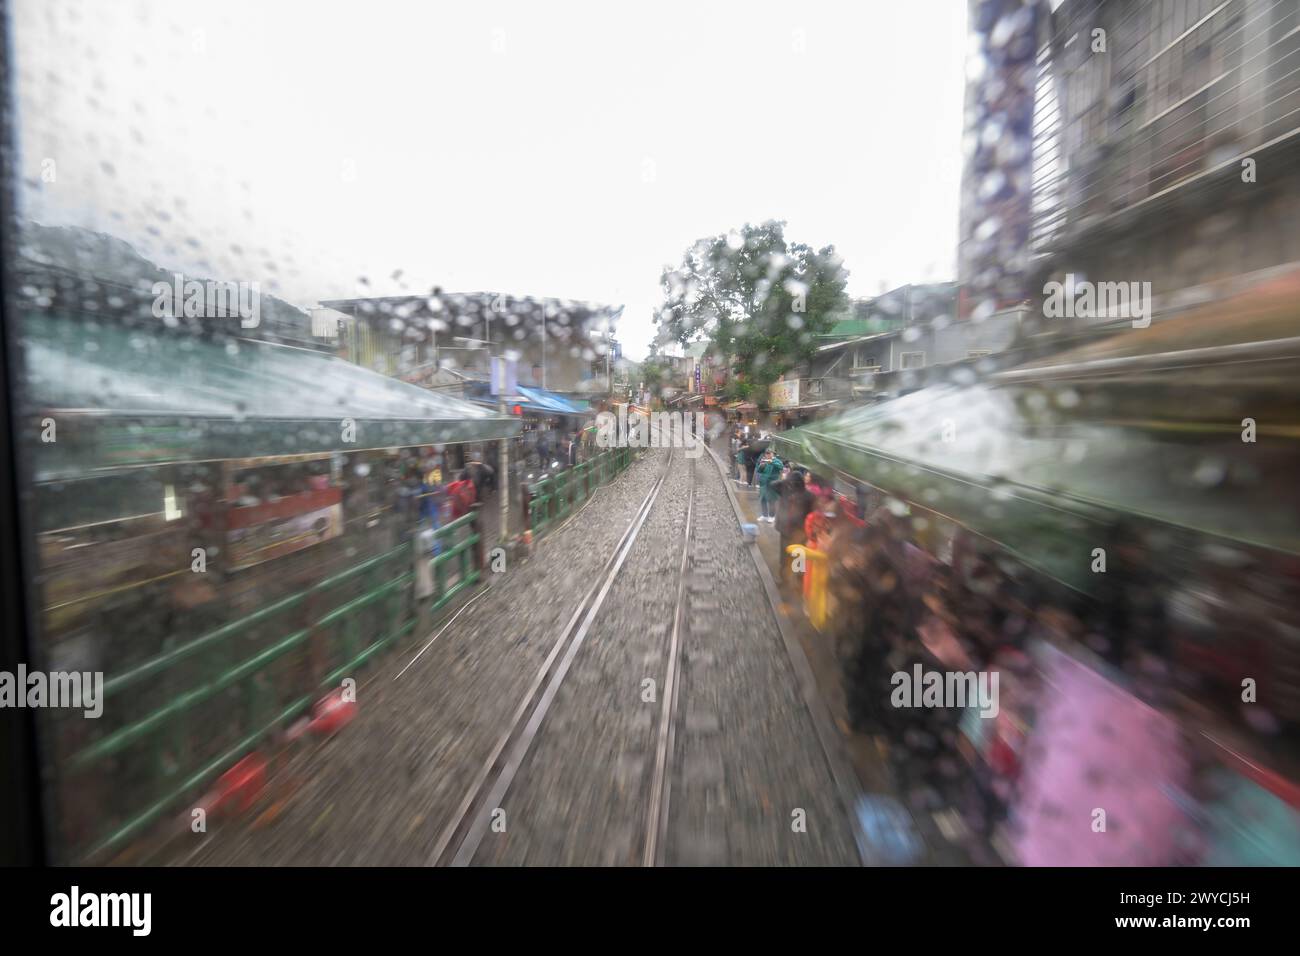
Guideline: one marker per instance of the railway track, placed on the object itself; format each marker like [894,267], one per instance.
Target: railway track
[589,767]
[461,838]
[656,826]
[616,814]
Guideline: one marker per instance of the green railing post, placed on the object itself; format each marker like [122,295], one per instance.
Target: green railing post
[526,493]
[476,529]
[439,583]
[177,731]
[393,606]
[541,505]
[467,555]
[351,637]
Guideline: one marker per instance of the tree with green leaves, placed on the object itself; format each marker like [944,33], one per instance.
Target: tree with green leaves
[759,301]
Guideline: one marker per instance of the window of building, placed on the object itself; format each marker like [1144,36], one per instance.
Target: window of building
[865,359]
[908,360]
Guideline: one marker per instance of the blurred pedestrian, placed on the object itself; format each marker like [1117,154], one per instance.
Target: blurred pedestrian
[482,474]
[408,507]
[1128,619]
[821,519]
[793,505]
[461,495]
[752,450]
[476,475]
[770,469]
[432,494]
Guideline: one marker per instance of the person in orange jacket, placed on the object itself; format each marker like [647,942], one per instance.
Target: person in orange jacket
[818,527]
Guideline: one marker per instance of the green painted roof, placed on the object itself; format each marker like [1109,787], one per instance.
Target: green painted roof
[856,328]
[125,396]
[1043,468]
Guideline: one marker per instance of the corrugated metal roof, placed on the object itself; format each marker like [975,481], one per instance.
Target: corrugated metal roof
[126,397]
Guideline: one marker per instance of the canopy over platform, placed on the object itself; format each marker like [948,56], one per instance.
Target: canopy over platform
[1043,460]
[543,401]
[124,398]
[534,401]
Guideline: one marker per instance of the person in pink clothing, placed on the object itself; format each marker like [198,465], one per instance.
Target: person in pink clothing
[1100,776]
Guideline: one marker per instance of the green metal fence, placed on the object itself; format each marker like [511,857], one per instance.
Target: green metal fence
[174,722]
[554,498]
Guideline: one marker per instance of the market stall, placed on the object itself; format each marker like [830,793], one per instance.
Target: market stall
[1126,506]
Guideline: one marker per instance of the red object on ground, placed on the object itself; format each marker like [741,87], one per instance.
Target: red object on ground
[332,713]
[238,788]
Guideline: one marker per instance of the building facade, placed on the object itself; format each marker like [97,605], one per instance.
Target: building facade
[909,331]
[1168,148]
[559,345]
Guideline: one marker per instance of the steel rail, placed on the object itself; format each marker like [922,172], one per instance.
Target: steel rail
[462,836]
[661,783]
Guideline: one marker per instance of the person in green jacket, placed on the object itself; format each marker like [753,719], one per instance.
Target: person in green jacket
[769,471]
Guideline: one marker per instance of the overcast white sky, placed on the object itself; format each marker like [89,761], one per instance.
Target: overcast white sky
[558,149]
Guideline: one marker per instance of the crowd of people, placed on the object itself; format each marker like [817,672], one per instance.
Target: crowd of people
[1117,698]
[801,505]
[564,447]
[428,497]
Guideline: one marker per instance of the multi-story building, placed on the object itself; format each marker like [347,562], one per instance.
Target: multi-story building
[997,182]
[676,375]
[1167,145]
[902,336]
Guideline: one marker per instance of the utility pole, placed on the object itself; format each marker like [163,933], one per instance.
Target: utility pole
[497,367]
[503,485]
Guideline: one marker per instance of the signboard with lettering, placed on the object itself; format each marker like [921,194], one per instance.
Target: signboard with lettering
[281,526]
[784,394]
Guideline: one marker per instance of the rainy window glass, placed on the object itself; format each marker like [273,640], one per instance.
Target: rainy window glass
[584,434]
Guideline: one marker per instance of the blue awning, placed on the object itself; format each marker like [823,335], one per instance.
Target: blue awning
[537,401]
[540,399]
